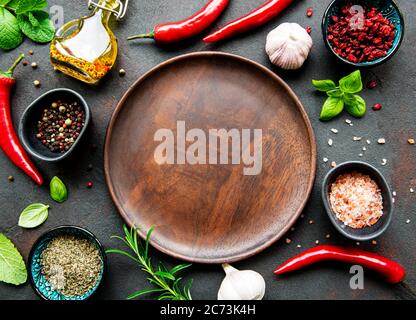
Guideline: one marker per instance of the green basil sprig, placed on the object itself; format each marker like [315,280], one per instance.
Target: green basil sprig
[344,95]
[58,190]
[33,215]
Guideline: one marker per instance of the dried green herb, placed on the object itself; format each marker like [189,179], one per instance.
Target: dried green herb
[167,284]
[72,265]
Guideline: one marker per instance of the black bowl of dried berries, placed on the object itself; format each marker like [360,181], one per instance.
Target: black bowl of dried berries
[363,33]
[52,126]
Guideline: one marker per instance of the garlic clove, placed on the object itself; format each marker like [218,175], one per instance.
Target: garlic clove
[288,46]
[241,285]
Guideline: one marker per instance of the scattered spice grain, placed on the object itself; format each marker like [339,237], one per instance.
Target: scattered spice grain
[411,141]
[10,178]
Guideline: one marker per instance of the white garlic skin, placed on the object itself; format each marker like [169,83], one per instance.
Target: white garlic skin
[241,285]
[288,46]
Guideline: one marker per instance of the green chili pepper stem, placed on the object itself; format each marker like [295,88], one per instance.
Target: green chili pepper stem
[14,65]
[150,35]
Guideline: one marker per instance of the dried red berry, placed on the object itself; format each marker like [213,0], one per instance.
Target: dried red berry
[371,84]
[309,30]
[359,43]
[89,184]
[377,106]
[309,12]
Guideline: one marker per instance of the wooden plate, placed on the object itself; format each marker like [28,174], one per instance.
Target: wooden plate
[210,213]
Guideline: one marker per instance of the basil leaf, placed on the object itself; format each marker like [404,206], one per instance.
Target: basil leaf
[12,4]
[12,267]
[355,105]
[351,83]
[58,190]
[24,6]
[33,215]
[332,107]
[36,26]
[324,85]
[10,35]
[337,93]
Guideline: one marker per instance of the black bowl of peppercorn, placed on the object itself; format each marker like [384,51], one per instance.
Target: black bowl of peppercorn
[363,33]
[52,126]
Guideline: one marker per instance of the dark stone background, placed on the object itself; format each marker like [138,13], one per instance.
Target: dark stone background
[93,208]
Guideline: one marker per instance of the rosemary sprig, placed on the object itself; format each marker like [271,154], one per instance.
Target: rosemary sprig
[167,285]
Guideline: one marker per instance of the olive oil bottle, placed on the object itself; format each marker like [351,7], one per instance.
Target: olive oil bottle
[86,48]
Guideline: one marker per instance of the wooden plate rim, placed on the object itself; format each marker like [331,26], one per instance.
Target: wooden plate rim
[312,142]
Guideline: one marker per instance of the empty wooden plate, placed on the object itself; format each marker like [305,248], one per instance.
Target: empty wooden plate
[210,213]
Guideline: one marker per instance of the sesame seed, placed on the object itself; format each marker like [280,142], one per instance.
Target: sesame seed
[311,222]
[364,149]
[368,142]
[34,65]
[383,162]
[333,164]
[348,121]
[288,241]
[36,83]
[327,236]
[412,190]
[356,138]
[325,160]
[357,243]
[360,155]
[393,200]
[330,142]
[316,241]
[394,193]
[411,141]
[299,246]
[334,130]
[407,221]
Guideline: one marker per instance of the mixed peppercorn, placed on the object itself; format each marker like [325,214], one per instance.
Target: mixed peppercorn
[361,39]
[60,125]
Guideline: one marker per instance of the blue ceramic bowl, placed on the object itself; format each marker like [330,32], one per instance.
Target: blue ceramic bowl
[39,283]
[389,10]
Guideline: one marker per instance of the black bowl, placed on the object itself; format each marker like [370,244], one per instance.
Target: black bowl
[38,281]
[30,117]
[366,233]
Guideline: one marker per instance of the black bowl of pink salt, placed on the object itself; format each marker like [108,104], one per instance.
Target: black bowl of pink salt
[363,33]
[358,200]
[53,125]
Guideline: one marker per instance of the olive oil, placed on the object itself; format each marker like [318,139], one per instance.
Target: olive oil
[86,49]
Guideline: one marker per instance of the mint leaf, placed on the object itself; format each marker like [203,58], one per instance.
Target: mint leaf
[37,26]
[33,215]
[332,107]
[4,2]
[324,85]
[355,105]
[10,35]
[58,190]
[12,266]
[351,83]
[24,6]
[337,93]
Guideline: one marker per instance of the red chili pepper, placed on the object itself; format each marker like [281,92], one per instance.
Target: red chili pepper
[254,19]
[188,28]
[392,271]
[8,138]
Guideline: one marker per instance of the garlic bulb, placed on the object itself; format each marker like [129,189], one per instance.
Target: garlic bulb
[241,285]
[288,46]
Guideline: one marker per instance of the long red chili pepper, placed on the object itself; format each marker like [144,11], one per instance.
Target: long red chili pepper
[8,138]
[188,28]
[392,271]
[254,19]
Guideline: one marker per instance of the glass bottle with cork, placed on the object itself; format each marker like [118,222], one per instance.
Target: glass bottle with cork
[86,48]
